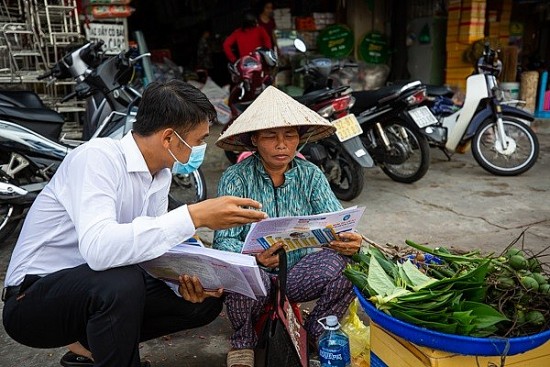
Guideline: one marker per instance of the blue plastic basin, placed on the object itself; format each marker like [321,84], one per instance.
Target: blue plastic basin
[460,344]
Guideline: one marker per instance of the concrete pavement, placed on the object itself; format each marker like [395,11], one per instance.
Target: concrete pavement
[457,203]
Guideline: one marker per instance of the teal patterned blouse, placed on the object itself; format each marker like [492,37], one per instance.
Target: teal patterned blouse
[305,191]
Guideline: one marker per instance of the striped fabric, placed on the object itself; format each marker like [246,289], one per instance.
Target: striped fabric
[304,192]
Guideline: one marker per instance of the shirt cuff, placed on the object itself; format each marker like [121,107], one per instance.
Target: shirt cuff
[178,225]
[174,287]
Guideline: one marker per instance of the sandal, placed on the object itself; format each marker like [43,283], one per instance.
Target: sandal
[71,359]
[243,357]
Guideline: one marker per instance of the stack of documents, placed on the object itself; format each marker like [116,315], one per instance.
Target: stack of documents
[215,269]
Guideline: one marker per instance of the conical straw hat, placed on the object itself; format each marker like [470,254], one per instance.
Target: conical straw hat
[273,109]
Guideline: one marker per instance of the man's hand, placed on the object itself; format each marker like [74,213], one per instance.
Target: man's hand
[191,290]
[269,258]
[225,212]
[348,243]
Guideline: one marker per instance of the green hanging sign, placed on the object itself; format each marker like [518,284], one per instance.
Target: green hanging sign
[374,48]
[335,41]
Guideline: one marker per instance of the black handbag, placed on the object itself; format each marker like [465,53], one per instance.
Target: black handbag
[284,339]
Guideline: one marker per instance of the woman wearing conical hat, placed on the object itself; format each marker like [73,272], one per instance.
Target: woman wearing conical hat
[273,126]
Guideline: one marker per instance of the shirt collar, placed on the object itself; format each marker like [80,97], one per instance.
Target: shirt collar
[135,162]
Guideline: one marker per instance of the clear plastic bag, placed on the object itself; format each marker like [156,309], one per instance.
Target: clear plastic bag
[359,336]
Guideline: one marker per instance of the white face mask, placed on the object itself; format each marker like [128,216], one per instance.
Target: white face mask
[193,163]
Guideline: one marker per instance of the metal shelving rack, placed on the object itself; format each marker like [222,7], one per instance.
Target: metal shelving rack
[33,36]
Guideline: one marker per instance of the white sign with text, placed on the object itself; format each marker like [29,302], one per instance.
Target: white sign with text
[113,35]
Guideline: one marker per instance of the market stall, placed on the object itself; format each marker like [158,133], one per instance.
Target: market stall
[442,307]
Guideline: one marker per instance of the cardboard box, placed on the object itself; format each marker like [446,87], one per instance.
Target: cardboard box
[305,24]
[388,350]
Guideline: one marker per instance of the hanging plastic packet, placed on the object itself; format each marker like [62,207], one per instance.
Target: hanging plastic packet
[359,336]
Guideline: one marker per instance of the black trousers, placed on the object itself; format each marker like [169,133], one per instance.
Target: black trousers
[109,312]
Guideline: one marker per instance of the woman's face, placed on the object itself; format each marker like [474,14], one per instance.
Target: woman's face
[277,147]
[268,9]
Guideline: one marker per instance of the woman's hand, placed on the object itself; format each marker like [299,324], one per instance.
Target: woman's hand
[348,243]
[269,258]
[191,290]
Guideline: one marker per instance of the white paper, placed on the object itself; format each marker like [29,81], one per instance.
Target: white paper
[300,231]
[215,269]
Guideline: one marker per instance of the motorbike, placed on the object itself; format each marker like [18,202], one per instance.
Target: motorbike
[14,200]
[342,156]
[395,129]
[499,134]
[250,75]
[31,148]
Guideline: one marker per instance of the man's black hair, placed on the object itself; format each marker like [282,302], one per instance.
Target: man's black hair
[172,104]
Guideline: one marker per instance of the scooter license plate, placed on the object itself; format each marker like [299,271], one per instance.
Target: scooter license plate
[347,127]
[422,116]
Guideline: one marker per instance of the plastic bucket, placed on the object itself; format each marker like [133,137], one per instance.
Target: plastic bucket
[490,346]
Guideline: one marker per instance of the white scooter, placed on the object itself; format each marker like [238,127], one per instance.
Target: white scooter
[500,137]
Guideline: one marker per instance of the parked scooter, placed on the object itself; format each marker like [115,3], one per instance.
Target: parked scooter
[342,156]
[30,145]
[500,137]
[394,129]
[15,200]
[250,75]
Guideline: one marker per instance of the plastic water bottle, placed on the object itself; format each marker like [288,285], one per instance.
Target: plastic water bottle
[333,344]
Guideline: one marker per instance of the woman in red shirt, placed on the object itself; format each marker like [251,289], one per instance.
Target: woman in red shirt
[247,38]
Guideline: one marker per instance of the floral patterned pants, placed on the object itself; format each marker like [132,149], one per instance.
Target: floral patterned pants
[318,276]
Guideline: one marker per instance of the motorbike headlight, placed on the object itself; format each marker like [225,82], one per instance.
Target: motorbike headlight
[250,63]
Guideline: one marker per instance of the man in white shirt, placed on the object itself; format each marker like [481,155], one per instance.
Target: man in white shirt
[73,275]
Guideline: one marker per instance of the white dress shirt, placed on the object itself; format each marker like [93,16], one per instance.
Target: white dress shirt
[102,207]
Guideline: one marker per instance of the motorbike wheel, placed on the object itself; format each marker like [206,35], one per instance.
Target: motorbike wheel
[409,157]
[8,224]
[344,174]
[521,154]
[187,189]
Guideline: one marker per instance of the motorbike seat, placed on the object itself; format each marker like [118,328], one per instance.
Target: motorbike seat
[20,98]
[435,90]
[366,99]
[315,96]
[31,114]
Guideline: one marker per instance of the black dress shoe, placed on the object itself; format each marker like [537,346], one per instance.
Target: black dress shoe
[71,359]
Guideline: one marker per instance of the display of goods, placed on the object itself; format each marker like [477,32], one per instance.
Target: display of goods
[465,294]
[112,11]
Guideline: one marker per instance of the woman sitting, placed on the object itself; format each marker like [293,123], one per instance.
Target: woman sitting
[273,126]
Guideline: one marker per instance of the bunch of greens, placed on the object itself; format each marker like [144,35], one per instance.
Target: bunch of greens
[451,301]
[467,294]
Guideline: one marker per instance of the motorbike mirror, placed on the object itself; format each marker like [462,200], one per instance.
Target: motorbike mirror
[300,45]
[133,61]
